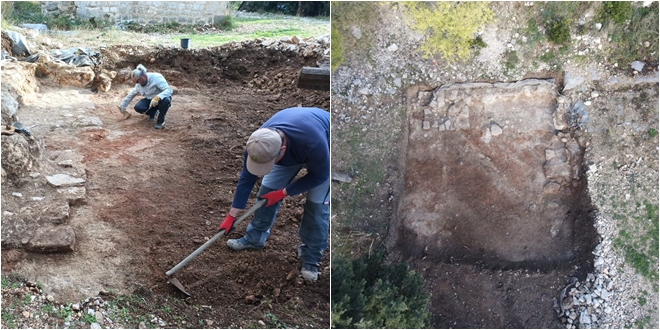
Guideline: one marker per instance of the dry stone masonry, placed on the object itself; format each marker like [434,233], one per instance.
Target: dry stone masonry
[492,173]
[143,12]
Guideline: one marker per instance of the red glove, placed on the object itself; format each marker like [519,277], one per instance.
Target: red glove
[273,197]
[227,224]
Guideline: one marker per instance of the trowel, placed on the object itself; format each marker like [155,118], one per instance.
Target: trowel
[199,250]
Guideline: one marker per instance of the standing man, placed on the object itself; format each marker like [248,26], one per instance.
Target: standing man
[290,140]
[156,92]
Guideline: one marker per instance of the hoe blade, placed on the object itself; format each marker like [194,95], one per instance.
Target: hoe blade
[178,285]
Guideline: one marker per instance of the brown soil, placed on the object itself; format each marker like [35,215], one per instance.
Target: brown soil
[496,260]
[164,192]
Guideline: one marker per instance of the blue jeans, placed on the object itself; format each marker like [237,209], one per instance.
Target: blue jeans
[142,106]
[315,221]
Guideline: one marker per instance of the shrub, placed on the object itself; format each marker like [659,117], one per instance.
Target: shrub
[559,31]
[450,27]
[224,22]
[299,8]
[478,43]
[366,293]
[617,11]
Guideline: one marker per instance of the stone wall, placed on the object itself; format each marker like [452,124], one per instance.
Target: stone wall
[143,12]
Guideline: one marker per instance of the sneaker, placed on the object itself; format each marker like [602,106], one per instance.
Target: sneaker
[159,125]
[310,272]
[238,244]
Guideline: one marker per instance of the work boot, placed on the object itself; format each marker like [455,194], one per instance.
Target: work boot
[159,125]
[242,244]
[310,272]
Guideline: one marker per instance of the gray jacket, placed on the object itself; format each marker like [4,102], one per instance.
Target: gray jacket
[156,86]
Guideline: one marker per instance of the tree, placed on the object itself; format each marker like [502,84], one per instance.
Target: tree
[298,8]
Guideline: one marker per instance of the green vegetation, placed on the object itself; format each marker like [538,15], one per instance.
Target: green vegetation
[64,313]
[87,318]
[336,50]
[511,60]
[274,322]
[639,242]
[643,323]
[652,132]
[630,27]
[18,12]
[478,43]
[642,298]
[366,293]
[8,319]
[300,8]
[347,16]
[358,204]
[617,11]
[559,31]
[534,35]
[228,28]
[450,27]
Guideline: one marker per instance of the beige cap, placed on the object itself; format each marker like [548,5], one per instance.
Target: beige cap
[263,146]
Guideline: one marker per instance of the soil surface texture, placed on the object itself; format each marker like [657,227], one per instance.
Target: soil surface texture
[155,196]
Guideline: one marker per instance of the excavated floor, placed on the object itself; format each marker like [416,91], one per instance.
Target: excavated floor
[494,177]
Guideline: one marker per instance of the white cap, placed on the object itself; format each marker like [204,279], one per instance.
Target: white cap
[263,146]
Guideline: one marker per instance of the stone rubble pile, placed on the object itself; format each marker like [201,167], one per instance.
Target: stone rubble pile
[587,304]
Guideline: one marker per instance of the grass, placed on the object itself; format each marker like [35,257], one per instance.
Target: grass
[248,29]
[64,313]
[87,318]
[347,16]
[512,60]
[643,322]
[337,51]
[9,320]
[234,29]
[638,241]
[360,207]
[629,27]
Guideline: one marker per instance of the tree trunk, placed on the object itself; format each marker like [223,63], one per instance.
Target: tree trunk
[299,13]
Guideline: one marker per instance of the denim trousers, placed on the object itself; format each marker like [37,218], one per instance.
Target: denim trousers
[142,106]
[315,220]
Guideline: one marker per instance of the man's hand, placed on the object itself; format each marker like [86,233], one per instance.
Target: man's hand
[273,197]
[227,224]
[125,113]
[154,102]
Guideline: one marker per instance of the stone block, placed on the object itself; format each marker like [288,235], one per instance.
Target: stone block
[52,239]
[64,180]
[74,195]
[55,214]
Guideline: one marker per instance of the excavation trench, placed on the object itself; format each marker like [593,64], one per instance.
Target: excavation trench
[494,176]
[154,196]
